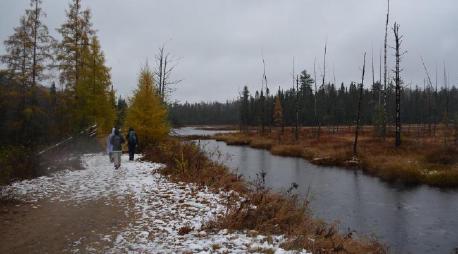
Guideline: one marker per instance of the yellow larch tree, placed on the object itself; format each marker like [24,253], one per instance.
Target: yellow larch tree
[146,113]
[94,104]
[278,112]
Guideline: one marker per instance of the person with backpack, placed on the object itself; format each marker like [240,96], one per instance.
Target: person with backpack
[116,141]
[110,146]
[132,142]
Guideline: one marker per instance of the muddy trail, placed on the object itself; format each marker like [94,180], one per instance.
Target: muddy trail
[96,209]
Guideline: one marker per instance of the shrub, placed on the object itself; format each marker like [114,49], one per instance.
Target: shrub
[188,163]
[16,162]
[259,210]
[445,155]
[270,213]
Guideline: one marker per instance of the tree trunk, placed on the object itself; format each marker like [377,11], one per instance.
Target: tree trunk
[315,96]
[398,85]
[355,143]
[385,75]
[296,130]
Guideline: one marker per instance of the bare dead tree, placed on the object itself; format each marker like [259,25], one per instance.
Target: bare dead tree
[446,106]
[355,143]
[373,72]
[335,126]
[263,103]
[165,65]
[430,87]
[316,93]
[334,74]
[380,79]
[436,77]
[322,85]
[436,116]
[159,71]
[324,62]
[296,129]
[398,42]
[385,75]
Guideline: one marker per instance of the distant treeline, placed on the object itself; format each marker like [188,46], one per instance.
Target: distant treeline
[204,113]
[334,106]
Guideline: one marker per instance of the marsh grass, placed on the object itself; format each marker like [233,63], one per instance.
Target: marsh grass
[260,210]
[419,160]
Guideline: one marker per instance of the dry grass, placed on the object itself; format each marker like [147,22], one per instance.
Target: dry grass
[288,150]
[262,211]
[420,159]
[274,214]
[196,137]
[184,230]
[186,162]
[261,143]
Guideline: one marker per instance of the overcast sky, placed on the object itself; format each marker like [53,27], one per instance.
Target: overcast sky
[220,44]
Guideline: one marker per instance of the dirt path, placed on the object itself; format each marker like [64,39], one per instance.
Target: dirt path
[101,210]
[54,227]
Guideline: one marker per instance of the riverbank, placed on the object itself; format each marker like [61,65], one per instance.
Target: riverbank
[253,208]
[134,209]
[417,161]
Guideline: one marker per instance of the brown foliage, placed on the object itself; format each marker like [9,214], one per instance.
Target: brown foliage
[288,150]
[419,160]
[269,213]
[446,155]
[260,211]
[184,230]
[187,162]
[17,163]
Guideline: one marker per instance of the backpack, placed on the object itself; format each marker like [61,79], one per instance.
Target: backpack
[132,137]
[116,142]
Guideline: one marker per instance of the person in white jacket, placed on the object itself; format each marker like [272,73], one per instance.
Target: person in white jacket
[109,145]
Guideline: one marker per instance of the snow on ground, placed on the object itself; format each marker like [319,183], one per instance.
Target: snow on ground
[161,207]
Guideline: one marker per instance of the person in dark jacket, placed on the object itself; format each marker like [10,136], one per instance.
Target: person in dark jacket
[116,141]
[132,142]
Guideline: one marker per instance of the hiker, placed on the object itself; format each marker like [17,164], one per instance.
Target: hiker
[110,146]
[116,141]
[132,142]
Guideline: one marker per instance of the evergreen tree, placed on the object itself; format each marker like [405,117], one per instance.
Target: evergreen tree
[76,28]
[28,50]
[28,54]
[337,107]
[121,110]
[306,99]
[244,108]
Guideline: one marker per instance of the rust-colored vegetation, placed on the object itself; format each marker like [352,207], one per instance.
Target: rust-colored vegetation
[428,159]
[261,210]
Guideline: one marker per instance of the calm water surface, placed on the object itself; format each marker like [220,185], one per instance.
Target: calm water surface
[417,219]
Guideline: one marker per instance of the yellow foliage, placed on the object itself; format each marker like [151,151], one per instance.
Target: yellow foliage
[94,102]
[146,113]
[278,112]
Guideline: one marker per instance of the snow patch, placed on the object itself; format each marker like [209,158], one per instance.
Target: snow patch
[160,208]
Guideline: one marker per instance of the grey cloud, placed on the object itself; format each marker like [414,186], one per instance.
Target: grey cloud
[220,43]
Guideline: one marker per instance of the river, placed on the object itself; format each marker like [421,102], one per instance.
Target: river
[409,219]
